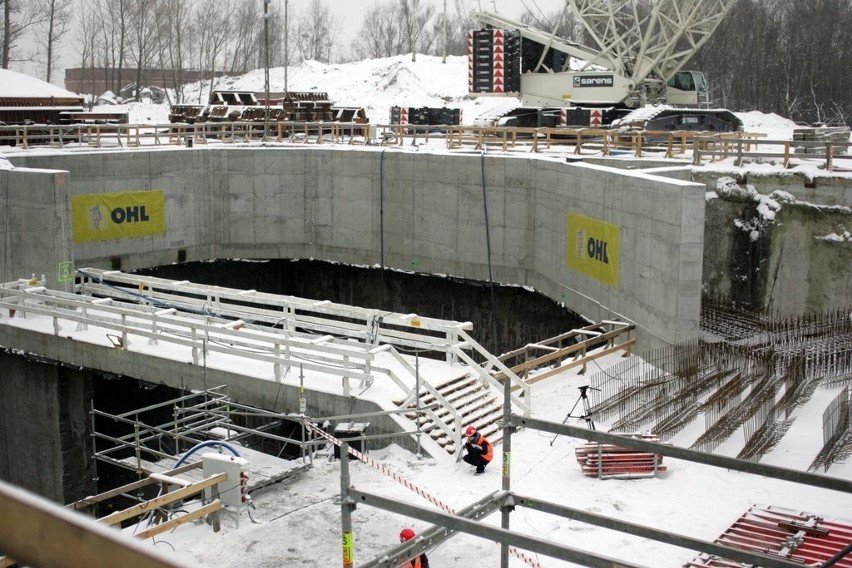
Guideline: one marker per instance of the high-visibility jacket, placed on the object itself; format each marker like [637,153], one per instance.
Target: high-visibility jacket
[487,447]
[417,562]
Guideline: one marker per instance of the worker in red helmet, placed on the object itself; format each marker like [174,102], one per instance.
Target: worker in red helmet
[479,450]
[421,561]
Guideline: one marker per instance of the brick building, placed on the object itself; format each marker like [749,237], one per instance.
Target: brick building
[98,80]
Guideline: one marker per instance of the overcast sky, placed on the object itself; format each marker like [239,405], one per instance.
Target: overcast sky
[352,12]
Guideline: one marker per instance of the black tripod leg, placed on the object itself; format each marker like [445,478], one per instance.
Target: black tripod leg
[587,409]
[567,416]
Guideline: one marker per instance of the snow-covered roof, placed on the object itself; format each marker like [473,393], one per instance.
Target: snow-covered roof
[18,85]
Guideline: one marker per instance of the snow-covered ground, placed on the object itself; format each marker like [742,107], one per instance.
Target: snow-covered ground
[299,523]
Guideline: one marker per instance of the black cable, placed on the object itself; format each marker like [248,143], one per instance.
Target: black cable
[275,404]
[497,341]
[159,542]
[248,510]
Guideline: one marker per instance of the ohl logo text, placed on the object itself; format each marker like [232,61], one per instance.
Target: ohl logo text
[132,214]
[596,249]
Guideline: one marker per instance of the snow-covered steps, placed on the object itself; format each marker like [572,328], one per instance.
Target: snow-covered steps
[476,403]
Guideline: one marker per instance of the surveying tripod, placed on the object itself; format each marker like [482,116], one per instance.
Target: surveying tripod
[587,410]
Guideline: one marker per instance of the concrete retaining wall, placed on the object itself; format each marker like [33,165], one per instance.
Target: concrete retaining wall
[411,210]
[45,429]
[34,221]
[779,244]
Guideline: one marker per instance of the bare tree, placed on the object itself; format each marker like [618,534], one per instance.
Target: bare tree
[817,60]
[245,37]
[143,17]
[7,34]
[450,31]
[56,21]
[171,45]
[789,69]
[19,16]
[86,39]
[114,15]
[315,32]
[211,33]
[563,23]
[380,34]
[277,37]
[415,17]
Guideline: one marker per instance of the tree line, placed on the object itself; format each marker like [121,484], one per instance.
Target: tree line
[781,56]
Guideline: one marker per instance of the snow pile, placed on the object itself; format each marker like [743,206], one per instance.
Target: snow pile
[767,205]
[843,237]
[729,188]
[373,84]
[775,127]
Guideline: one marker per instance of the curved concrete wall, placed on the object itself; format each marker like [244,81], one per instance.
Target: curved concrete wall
[407,209]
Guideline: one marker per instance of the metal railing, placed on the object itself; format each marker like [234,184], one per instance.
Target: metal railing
[196,418]
[87,136]
[346,343]
[704,146]
[574,344]
[825,154]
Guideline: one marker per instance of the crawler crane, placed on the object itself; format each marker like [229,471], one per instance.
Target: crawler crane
[634,72]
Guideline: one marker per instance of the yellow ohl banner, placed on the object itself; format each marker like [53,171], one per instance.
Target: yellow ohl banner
[591,248]
[110,216]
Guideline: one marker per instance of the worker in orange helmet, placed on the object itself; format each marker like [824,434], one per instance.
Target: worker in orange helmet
[479,450]
[421,561]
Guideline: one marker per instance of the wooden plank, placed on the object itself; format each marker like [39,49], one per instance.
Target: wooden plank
[158,502]
[177,521]
[627,345]
[94,499]
[809,530]
[169,480]
[615,459]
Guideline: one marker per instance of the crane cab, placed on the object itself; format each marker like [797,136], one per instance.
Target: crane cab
[687,88]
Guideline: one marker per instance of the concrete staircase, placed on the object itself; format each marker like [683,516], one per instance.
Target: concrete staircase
[477,403]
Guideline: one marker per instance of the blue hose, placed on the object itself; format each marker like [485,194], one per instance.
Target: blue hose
[192,450]
[204,445]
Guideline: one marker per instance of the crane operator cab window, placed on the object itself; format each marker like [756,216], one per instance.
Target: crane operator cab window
[687,88]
